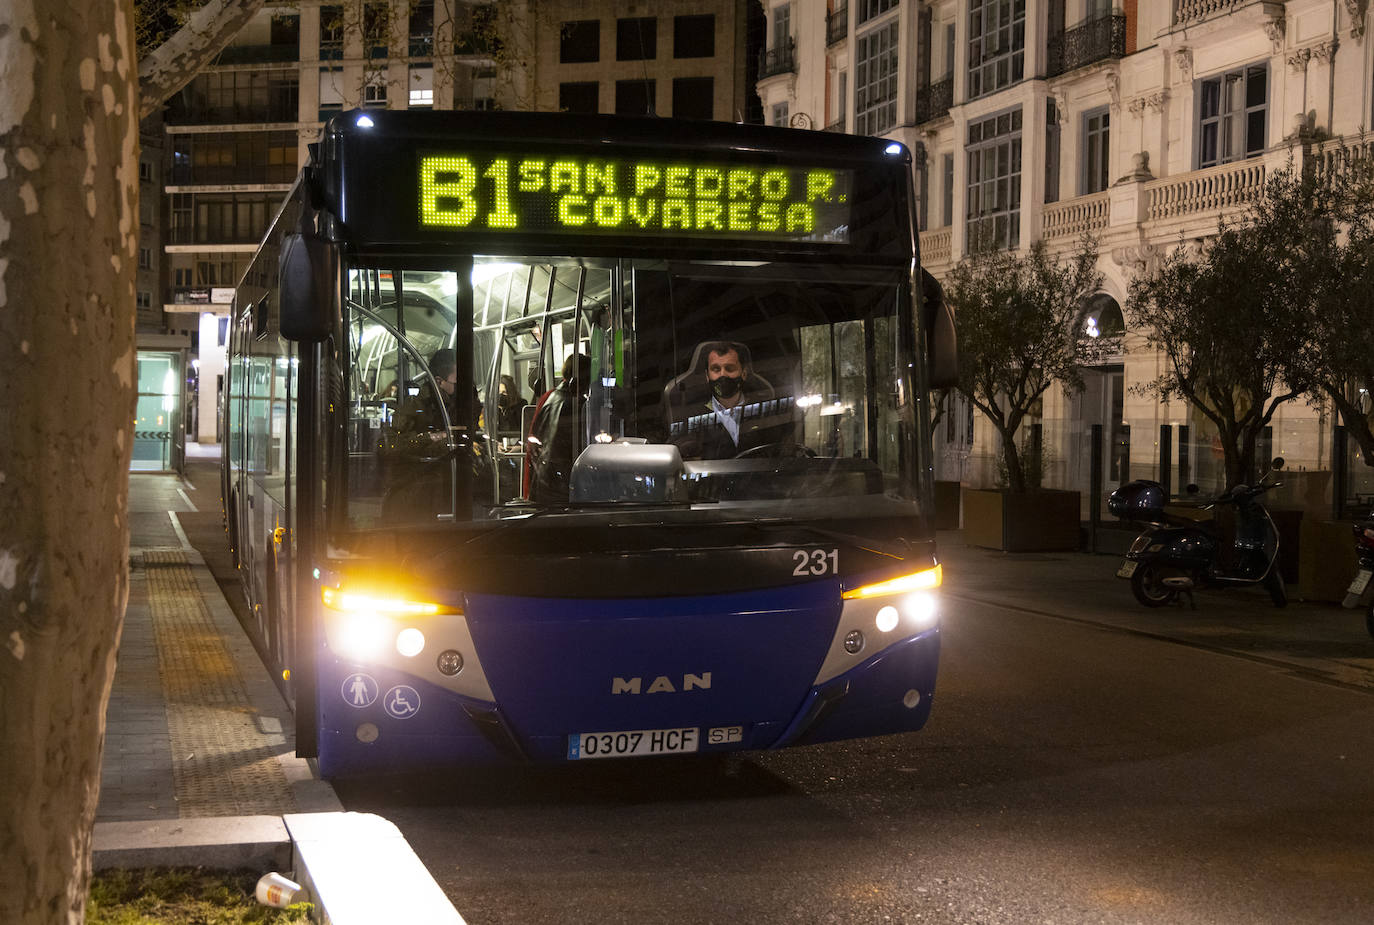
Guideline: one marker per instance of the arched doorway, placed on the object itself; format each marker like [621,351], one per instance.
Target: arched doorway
[1103,398]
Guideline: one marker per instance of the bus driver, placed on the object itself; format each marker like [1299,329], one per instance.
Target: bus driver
[730,422]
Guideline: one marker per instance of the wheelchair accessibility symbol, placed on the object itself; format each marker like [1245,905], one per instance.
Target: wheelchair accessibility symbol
[402,702]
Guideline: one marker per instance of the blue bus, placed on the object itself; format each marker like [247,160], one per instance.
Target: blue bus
[557,437]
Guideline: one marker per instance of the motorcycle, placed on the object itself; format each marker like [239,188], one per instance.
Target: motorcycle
[1361,590]
[1174,555]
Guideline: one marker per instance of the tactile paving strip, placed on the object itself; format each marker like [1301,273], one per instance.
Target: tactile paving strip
[220,764]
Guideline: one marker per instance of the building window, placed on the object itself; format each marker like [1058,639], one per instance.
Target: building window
[422,29]
[421,87]
[867,9]
[181,277]
[145,258]
[634,97]
[636,39]
[947,190]
[1052,134]
[994,181]
[694,36]
[580,41]
[1232,115]
[777,115]
[997,43]
[579,97]
[331,33]
[842,100]
[1096,147]
[145,301]
[694,97]
[782,27]
[374,94]
[875,81]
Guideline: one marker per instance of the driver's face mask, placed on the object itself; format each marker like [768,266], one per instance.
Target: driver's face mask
[727,386]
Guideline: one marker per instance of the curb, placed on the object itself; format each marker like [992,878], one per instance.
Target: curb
[356,868]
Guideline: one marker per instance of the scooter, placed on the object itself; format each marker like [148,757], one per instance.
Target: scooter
[1361,590]
[1175,555]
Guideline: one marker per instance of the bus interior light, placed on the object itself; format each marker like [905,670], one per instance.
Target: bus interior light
[924,580]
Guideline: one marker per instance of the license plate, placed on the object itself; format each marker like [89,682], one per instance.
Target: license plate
[636,742]
[1360,583]
[1127,569]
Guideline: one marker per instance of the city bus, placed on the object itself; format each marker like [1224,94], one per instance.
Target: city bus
[559,437]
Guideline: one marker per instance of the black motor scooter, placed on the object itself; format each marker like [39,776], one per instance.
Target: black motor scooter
[1361,590]
[1175,555]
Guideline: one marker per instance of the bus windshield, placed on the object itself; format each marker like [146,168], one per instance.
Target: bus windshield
[539,389]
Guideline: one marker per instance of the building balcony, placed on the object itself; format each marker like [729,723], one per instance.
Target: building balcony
[1094,40]
[837,26]
[1075,217]
[257,54]
[935,246]
[1210,190]
[934,101]
[777,61]
[1193,11]
[836,126]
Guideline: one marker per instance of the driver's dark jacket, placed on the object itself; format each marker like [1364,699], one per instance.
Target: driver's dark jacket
[703,436]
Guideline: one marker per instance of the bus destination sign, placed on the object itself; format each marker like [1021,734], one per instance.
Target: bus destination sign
[580,195]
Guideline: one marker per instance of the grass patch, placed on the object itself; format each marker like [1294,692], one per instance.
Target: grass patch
[182,896]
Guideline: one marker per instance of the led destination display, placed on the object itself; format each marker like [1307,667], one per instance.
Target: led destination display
[580,195]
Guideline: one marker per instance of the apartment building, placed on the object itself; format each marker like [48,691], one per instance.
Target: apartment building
[233,139]
[1139,122]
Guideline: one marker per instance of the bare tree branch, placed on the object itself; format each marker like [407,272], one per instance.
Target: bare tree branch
[172,65]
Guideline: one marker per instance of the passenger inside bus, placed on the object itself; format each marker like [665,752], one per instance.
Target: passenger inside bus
[555,438]
[721,408]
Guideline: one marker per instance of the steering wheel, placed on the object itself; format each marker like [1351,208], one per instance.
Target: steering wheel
[778,450]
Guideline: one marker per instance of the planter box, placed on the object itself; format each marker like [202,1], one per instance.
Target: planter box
[1032,522]
[1326,560]
[946,505]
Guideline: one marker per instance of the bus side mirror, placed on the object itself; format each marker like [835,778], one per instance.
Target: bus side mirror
[306,272]
[942,344]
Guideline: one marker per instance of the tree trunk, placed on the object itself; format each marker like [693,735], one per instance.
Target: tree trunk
[1016,475]
[69,225]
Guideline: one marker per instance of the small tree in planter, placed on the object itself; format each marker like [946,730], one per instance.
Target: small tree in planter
[1017,317]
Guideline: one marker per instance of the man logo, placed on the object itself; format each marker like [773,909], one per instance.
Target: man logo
[662,684]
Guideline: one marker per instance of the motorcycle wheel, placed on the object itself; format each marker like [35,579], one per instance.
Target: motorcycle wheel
[1278,591]
[1148,587]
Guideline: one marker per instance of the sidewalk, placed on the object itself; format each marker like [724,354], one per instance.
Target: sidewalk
[1322,641]
[199,767]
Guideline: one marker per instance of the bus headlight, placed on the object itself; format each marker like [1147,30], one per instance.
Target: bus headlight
[410,642]
[921,608]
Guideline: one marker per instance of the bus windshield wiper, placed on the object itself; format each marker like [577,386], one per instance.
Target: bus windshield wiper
[867,544]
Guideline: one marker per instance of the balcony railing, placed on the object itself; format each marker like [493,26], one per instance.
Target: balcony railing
[934,101]
[1074,217]
[1213,188]
[836,126]
[1094,40]
[935,246]
[1192,10]
[837,26]
[777,61]
[1338,154]
[257,54]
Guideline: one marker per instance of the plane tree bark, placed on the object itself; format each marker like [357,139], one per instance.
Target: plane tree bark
[68,256]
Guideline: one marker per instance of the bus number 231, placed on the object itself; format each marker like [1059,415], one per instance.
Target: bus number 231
[816,562]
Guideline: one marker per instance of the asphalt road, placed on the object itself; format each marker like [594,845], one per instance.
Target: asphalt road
[1069,774]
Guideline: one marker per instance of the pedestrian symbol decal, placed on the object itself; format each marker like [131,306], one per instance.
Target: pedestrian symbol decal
[360,690]
[402,702]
